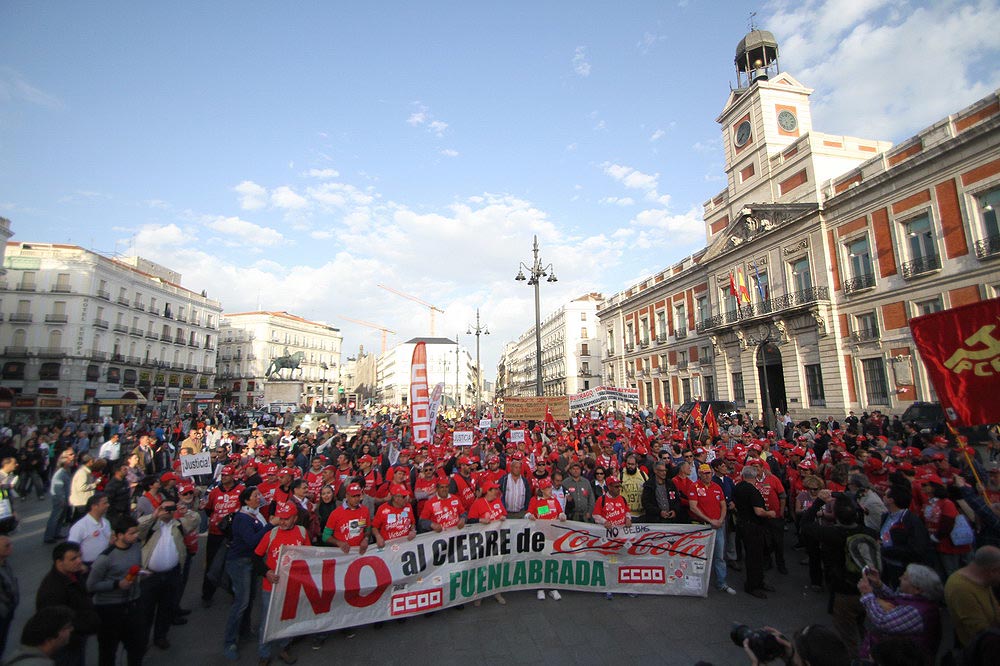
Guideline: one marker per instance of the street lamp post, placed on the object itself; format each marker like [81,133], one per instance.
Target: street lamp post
[536,271]
[477,331]
[458,399]
[324,367]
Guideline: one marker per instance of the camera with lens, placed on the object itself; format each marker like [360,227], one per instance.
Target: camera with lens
[761,642]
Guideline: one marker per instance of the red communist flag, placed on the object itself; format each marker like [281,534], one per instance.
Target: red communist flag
[960,348]
[711,423]
[695,415]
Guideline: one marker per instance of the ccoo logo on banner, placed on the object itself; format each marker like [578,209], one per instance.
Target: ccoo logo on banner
[322,589]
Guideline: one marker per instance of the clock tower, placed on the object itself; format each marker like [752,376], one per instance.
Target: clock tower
[765,113]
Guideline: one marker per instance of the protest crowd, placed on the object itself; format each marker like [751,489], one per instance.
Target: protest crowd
[899,529]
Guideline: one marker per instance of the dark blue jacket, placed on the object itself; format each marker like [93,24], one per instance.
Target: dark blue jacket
[247,533]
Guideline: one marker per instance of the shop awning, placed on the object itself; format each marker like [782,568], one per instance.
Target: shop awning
[121,398]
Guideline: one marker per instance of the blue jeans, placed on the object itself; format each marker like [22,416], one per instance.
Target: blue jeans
[264,649]
[60,508]
[240,572]
[719,557]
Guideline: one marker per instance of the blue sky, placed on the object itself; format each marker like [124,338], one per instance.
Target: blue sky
[298,154]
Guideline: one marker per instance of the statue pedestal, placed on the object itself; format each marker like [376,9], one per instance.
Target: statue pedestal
[283,390]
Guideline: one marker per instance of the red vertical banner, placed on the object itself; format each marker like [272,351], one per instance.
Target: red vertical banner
[711,423]
[420,398]
[960,348]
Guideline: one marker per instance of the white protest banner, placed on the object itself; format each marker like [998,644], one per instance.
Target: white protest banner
[194,465]
[595,415]
[516,436]
[322,589]
[462,438]
[485,424]
[596,396]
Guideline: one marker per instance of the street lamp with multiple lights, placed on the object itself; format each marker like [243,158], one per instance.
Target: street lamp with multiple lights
[535,273]
[477,331]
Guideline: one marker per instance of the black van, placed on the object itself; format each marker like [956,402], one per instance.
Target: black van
[720,408]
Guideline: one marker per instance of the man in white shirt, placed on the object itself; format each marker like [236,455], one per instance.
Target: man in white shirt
[162,534]
[92,531]
[111,449]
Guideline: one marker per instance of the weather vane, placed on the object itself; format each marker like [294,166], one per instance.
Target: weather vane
[750,21]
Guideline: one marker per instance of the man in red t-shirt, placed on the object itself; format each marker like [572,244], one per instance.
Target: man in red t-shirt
[222,500]
[394,519]
[349,524]
[611,509]
[489,507]
[443,511]
[287,533]
[707,504]
[462,484]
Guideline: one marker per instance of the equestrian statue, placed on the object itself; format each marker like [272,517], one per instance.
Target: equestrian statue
[289,361]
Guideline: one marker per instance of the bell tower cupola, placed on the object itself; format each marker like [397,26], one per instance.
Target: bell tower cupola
[756,58]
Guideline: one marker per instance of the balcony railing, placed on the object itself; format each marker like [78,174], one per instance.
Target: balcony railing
[680,333]
[121,328]
[705,361]
[182,318]
[15,351]
[101,323]
[191,368]
[865,335]
[192,343]
[988,247]
[98,355]
[661,337]
[793,301]
[682,365]
[24,286]
[56,318]
[19,317]
[860,283]
[920,266]
[106,295]
[137,332]
[117,358]
[166,337]
[52,352]
[209,346]
[61,289]
[643,344]
[133,360]
[139,305]
[629,347]
[123,300]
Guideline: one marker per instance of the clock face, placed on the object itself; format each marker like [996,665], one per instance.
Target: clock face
[787,121]
[743,134]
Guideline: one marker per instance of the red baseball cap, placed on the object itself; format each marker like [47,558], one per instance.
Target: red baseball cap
[612,481]
[227,470]
[285,470]
[489,485]
[169,476]
[185,487]
[354,489]
[544,483]
[398,489]
[285,510]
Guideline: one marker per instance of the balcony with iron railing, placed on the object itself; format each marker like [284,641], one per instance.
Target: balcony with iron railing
[920,266]
[56,318]
[61,289]
[15,351]
[865,335]
[123,300]
[53,352]
[166,337]
[121,328]
[19,318]
[682,365]
[988,247]
[137,332]
[133,360]
[139,305]
[182,318]
[25,286]
[644,343]
[106,295]
[629,347]
[192,343]
[859,283]
[798,300]
[101,323]
[152,335]
[680,333]
[98,355]
[706,361]
[661,337]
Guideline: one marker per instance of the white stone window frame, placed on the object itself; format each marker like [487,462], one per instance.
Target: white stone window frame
[790,272]
[973,211]
[903,237]
[845,247]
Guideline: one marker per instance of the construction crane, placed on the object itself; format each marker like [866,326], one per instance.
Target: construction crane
[432,308]
[384,330]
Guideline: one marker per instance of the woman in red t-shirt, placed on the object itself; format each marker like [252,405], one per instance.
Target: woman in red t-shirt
[940,514]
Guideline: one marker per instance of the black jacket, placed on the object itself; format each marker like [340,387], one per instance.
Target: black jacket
[119,497]
[651,508]
[910,541]
[57,589]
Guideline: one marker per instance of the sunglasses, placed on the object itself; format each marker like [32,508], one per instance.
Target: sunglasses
[599,473]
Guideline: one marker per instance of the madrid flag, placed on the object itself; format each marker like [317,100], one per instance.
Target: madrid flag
[961,349]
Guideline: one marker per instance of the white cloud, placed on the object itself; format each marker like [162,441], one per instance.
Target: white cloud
[618,201]
[631,178]
[240,232]
[13,87]
[151,239]
[449,152]
[437,127]
[252,195]
[869,61]
[321,173]
[580,64]
[321,234]
[658,227]
[286,197]
[422,117]
[339,195]
[657,135]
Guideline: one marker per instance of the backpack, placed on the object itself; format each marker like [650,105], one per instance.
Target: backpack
[962,533]
[226,525]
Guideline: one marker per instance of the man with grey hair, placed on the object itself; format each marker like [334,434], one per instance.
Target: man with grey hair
[871,504]
[752,515]
[969,596]
[911,613]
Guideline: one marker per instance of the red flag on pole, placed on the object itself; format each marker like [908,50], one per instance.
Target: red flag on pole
[711,423]
[732,284]
[695,415]
[661,413]
[960,348]
[548,416]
